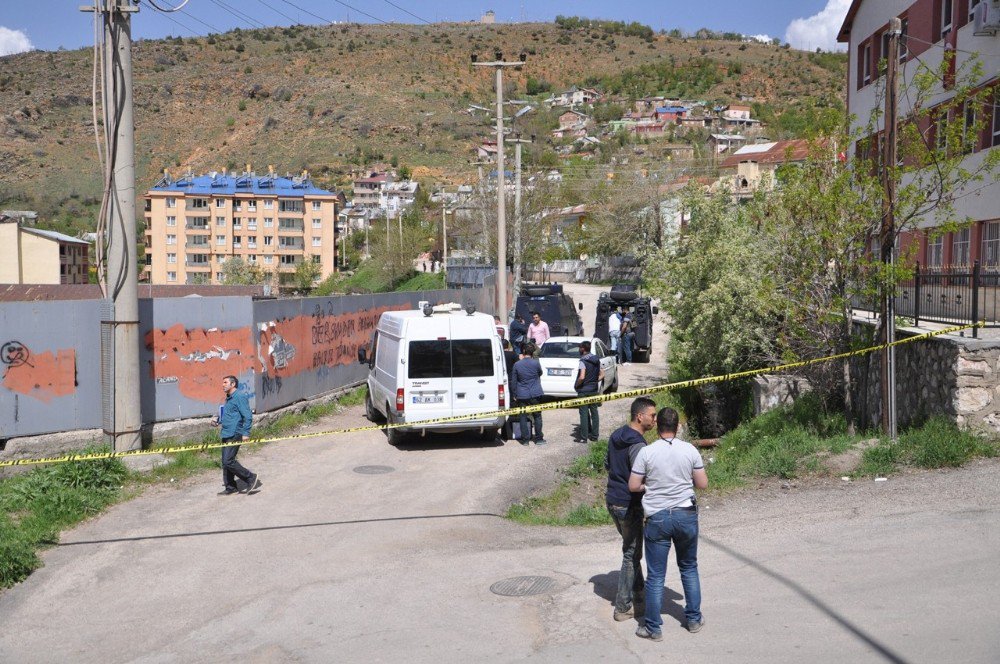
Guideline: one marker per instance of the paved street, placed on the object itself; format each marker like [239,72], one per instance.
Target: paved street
[328,564]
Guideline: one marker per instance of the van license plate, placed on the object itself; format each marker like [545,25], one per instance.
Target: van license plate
[435,398]
[560,372]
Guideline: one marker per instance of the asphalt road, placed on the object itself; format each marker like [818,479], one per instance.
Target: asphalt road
[328,564]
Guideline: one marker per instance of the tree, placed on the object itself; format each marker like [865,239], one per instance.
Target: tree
[306,274]
[238,272]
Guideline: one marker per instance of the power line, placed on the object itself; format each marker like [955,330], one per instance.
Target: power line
[278,11]
[419,18]
[249,20]
[195,18]
[306,11]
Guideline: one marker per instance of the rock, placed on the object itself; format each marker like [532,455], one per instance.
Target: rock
[974,399]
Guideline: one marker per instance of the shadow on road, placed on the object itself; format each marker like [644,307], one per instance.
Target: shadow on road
[862,636]
[606,587]
[260,529]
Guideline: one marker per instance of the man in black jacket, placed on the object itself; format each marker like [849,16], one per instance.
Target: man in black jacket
[588,383]
[625,506]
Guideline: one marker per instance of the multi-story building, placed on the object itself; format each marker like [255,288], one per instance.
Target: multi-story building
[194,224]
[932,28]
[754,167]
[35,256]
[368,190]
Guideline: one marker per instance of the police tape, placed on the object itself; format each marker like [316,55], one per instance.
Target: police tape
[494,414]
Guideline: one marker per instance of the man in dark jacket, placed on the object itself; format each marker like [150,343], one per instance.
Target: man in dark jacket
[518,333]
[624,506]
[526,386]
[588,382]
[235,421]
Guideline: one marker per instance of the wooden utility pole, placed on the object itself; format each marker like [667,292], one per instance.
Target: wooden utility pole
[517,212]
[888,235]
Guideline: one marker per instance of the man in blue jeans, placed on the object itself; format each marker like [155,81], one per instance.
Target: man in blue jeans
[235,422]
[624,506]
[668,471]
[526,388]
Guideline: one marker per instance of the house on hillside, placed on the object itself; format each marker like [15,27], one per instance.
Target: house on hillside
[930,28]
[487,151]
[368,189]
[558,225]
[722,143]
[36,256]
[696,122]
[753,168]
[574,97]
[670,114]
[736,116]
[396,197]
[572,124]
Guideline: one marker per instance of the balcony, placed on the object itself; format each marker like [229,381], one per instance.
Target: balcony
[284,227]
[198,227]
[200,246]
[197,265]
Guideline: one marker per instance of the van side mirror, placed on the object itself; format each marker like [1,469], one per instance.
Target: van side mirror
[362,356]
[656,310]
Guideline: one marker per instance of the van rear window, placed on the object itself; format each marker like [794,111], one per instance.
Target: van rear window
[466,358]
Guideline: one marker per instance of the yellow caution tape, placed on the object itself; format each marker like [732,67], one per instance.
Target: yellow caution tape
[556,405]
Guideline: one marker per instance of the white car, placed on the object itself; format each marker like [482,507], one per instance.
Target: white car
[560,360]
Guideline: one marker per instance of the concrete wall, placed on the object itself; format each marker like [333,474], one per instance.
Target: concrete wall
[40,260]
[50,376]
[623,269]
[10,254]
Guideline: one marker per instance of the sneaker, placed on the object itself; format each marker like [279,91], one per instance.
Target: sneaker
[694,627]
[228,491]
[593,439]
[524,442]
[622,616]
[540,441]
[252,484]
[644,633]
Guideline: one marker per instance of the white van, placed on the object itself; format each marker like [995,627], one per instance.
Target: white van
[435,362]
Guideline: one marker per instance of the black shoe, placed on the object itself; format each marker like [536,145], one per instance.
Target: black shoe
[228,491]
[252,484]
[594,439]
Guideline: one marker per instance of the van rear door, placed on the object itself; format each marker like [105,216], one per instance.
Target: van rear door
[475,359]
[428,379]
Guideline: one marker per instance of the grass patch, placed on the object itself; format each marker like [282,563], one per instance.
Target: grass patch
[37,505]
[423,281]
[939,443]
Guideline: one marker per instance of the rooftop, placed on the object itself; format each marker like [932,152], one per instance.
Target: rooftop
[58,237]
[222,184]
[769,153]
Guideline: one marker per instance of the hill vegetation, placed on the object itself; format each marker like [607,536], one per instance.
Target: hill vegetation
[338,99]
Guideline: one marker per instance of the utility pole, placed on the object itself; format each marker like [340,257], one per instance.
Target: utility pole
[498,64]
[517,212]
[888,234]
[120,330]
[444,239]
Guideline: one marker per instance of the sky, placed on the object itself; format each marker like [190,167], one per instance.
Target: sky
[51,24]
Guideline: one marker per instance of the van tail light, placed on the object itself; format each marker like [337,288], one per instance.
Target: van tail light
[400,400]
[501,396]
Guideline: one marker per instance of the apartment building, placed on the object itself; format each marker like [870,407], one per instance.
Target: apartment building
[932,28]
[368,190]
[195,223]
[35,256]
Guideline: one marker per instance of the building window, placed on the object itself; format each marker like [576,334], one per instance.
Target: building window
[902,39]
[935,250]
[251,224]
[268,260]
[289,206]
[198,203]
[251,206]
[220,202]
[969,137]
[289,260]
[941,130]
[866,64]
[219,276]
[991,244]
[960,247]
[251,242]
[317,223]
[220,221]
[972,10]
[237,222]
[171,276]
[220,240]
[237,205]
[237,242]
[268,204]
[171,239]
[317,206]
[268,240]
[268,222]
[316,259]
[252,258]
[171,258]
[945,18]
[996,117]
[171,202]
[883,55]
[317,242]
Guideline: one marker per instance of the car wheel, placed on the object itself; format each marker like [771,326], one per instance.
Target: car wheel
[614,385]
[396,436]
[370,413]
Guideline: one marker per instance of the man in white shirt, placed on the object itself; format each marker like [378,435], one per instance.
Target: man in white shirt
[614,331]
[668,471]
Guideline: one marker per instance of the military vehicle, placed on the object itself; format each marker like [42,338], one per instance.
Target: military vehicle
[553,305]
[643,312]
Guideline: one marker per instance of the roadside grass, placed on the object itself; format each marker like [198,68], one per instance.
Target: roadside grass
[936,444]
[37,505]
[578,499]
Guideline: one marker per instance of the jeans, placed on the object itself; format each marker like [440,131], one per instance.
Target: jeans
[613,338]
[536,420]
[628,521]
[590,420]
[625,349]
[231,468]
[680,526]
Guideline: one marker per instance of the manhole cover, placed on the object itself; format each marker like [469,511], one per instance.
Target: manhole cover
[374,470]
[522,586]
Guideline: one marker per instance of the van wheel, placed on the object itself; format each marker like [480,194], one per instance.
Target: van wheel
[489,435]
[370,413]
[396,436]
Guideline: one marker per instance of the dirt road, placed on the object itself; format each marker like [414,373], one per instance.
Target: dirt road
[330,564]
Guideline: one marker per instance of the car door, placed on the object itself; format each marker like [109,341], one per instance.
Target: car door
[475,357]
[607,364]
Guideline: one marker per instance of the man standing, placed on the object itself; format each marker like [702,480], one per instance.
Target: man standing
[588,381]
[538,331]
[627,339]
[669,470]
[235,422]
[625,506]
[526,386]
[518,332]
[614,332]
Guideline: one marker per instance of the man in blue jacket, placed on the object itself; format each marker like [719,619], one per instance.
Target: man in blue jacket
[526,386]
[624,506]
[235,422]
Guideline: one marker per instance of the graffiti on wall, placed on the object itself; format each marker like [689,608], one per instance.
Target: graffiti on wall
[317,341]
[197,359]
[42,376]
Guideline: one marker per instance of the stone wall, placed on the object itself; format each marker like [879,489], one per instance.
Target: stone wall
[947,375]
[772,391]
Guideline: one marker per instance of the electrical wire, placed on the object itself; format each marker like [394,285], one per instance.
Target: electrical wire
[246,18]
[402,9]
[306,11]
[170,10]
[207,25]
[278,11]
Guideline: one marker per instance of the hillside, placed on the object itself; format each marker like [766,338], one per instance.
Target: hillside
[337,97]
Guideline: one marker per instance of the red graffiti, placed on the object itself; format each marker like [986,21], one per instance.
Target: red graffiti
[43,376]
[198,359]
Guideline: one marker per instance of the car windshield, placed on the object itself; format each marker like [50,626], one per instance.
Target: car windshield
[560,349]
